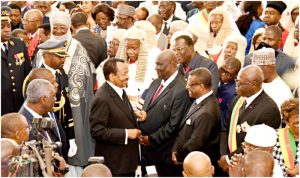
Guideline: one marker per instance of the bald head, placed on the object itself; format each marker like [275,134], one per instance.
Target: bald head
[168,56]
[14,126]
[275,29]
[42,73]
[156,21]
[254,74]
[34,12]
[197,164]
[9,149]
[166,64]
[259,164]
[96,170]
[31,20]
[249,81]
[39,73]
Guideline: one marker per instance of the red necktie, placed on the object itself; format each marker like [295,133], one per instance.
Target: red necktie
[186,69]
[157,93]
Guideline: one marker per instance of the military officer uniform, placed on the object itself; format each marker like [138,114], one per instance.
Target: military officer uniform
[15,66]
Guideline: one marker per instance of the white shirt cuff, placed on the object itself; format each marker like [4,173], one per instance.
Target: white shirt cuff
[227,159]
[126,136]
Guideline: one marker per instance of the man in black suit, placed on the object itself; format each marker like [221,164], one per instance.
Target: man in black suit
[15,66]
[94,45]
[252,106]
[65,126]
[200,129]
[189,59]
[167,10]
[113,122]
[40,100]
[166,103]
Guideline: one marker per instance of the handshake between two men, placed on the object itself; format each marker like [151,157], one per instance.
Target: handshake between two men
[137,133]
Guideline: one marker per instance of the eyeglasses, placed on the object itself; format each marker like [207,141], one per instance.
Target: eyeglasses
[25,21]
[179,49]
[225,72]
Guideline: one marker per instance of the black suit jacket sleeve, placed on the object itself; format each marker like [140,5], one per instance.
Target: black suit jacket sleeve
[181,103]
[202,129]
[99,120]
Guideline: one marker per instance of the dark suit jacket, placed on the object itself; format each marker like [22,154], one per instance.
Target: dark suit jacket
[262,110]
[200,131]
[94,45]
[226,93]
[284,62]
[54,134]
[166,30]
[13,75]
[164,116]
[201,61]
[109,118]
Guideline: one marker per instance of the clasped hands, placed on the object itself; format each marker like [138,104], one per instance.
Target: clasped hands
[137,134]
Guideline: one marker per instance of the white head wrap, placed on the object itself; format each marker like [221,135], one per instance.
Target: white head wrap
[261,135]
[60,17]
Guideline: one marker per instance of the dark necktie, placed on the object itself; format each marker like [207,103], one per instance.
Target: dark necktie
[193,106]
[242,109]
[166,29]
[125,99]
[156,94]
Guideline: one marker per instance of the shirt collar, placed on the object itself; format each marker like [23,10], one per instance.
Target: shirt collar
[2,45]
[32,112]
[117,89]
[252,98]
[169,80]
[33,35]
[169,20]
[201,98]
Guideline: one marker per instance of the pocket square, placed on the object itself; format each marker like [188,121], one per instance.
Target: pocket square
[188,122]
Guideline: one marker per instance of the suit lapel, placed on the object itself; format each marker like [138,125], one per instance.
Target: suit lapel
[150,93]
[189,114]
[122,105]
[251,107]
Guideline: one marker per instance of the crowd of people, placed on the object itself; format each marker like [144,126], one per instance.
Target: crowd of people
[164,88]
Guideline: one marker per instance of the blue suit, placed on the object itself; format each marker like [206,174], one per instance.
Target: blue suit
[57,133]
[226,94]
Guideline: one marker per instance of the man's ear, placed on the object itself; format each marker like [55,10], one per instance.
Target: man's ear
[212,170]
[184,174]
[43,100]
[111,77]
